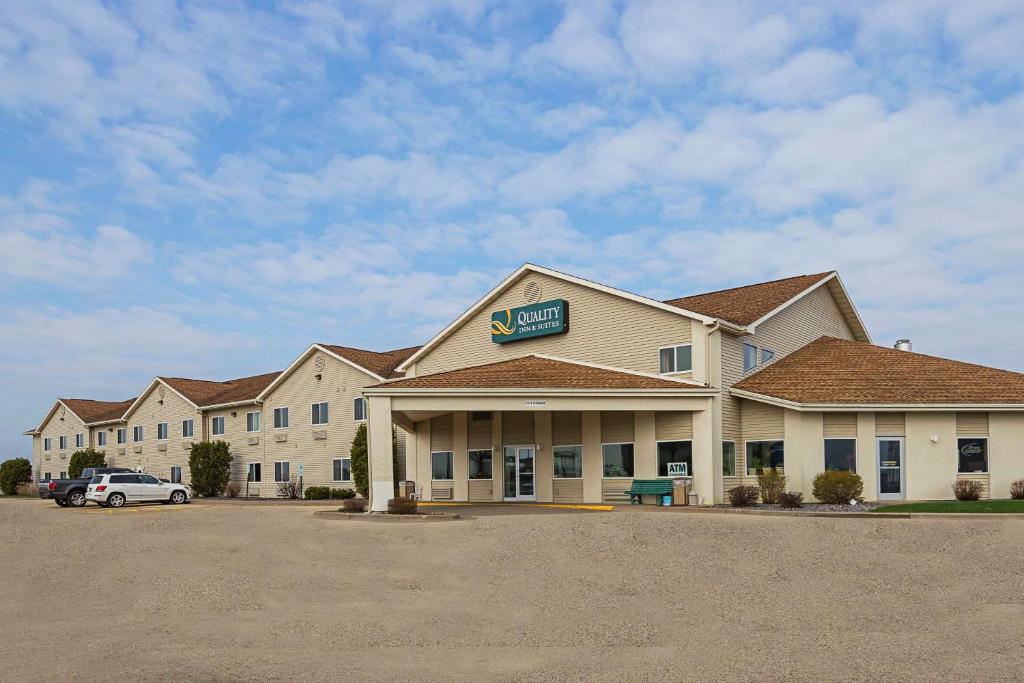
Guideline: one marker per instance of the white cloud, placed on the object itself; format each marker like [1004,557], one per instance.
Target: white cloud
[810,76]
[582,42]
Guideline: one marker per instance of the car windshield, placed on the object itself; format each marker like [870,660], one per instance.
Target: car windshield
[97,479]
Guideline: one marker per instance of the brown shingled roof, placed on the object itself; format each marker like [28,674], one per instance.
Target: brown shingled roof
[91,411]
[534,372]
[380,363]
[836,371]
[748,304]
[209,393]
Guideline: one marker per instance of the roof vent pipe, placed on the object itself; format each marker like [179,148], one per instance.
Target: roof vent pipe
[903,345]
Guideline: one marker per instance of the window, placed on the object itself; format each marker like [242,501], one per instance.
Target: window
[568,462]
[343,469]
[63,475]
[973,456]
[767,355]
[101,439]
[676,358]
[480,464]
[441,466]
[728,458]
[188,428]
[255,472]
[137,434]
[674,451]
[47,476]
[62,442]
[252,422]
[282,471]
[764,455]
[47,443]
[841,454]
[359,409]
[618,459]
[148,479]
[124,479]
[122,435]
[280,418]
[175,475]
[320,413]
[161,431]
[749,357]
[217,426]
[79,440]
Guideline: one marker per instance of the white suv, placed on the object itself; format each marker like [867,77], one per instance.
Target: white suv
[117,489]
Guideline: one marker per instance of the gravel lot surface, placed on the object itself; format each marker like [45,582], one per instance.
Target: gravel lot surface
[230,592]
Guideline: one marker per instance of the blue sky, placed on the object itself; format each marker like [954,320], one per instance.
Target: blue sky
[204,188]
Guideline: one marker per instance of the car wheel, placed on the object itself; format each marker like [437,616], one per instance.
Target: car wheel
[76,499]
[115,500]
[60,503]
[178,497]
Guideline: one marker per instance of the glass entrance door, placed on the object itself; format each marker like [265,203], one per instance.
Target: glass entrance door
[890,468]
[518,470]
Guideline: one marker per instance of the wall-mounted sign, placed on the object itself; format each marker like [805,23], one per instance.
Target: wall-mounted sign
[526,322]
[678,469]
[535,404]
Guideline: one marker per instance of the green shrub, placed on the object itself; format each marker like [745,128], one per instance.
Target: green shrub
[89,457]
[837,487]
[317,493]
[967,489]
[743,496]
[360,467]
[1017,490]
[14,472]
[209,464]
[342,494]
[353,505]
[770,484]
[791,499]
[402,506]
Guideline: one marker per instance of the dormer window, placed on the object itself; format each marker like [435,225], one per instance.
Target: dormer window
[749,357]
[672,359]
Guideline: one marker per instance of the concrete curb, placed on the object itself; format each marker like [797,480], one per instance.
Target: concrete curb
[387,519]
[823,513]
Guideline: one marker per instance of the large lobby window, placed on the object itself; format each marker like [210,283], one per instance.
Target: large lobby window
[618,460]
[764,455]
[674,451]
[480,464]
[441,466]
[841,454]
[568,462]
[972,455]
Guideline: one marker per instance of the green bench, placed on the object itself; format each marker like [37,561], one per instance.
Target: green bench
[648,487]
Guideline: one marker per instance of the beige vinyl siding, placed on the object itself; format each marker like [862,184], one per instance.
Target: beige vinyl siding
[54,428]
[568,490]
[157,457]
[517,429]
[441,433]
[614,490]
[972,424]
[676,425]
[567,429]
[890,424]
[839,425]
[617,426]
[761,422]
[986,489]
[242,452]
[481,490]
[442,490]
[603,328]
[479,433]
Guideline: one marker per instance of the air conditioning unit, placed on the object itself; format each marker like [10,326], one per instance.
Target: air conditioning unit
[253,440]
[137,449]
[161,447]
[63,456]
[320,435]
[281,438]
[121,451]
[46,456]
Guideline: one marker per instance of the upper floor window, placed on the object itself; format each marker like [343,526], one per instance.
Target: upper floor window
[161,431]
[749,357]
[79,440]
[359,409]
[137,434]
[320,413]
[217,426]
[767,355]
[62,442]
[188,428]
[252,422]
[280,418]
[47,443]
[101,438]
[676,358]
[122,435]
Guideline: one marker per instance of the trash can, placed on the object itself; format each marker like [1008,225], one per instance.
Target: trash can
[666,500]
[681,490]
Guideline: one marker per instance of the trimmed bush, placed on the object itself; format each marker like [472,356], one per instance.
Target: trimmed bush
[791,499]
[342,494]
[292,490]
[353,505]
[360,467]
[232,490]
[89,457]
[770,483]
[209,464]
[402,506]
[967,489]
[743,496]
[837,487]
[317,493]
[1017,490]
[14,472]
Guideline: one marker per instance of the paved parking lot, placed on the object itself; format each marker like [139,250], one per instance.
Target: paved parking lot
[244,592]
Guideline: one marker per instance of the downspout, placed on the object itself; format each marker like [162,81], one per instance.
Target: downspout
[707,352]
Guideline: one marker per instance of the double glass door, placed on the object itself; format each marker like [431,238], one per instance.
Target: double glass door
[518,471]
[890,468]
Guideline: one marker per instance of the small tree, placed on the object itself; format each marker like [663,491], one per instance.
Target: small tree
[770,483]
[209,464]
[14,472]
[89,457]
[360,466]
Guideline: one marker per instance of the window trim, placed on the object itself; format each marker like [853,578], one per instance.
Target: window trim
[287,419]
[213,421]
[101,436]
[359,400]
[452,455]
[280,462]
[972,438]
[79,440]
[745,468]
[468,451]
[122,431]
[757,357]
[569,445]
[658,441]
[619,443]
[167,431]
[674,347]
[176,467]
[346,481]
[259,420]
[733,475]
[314,405]
[192,430]
[47,443]
[840,438]
[62,442]
[761,360]
[248,471]
[142,433]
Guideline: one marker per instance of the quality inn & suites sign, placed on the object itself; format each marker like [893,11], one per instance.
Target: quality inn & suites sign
[533,320]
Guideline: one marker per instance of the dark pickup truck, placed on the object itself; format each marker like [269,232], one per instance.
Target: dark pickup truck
[71,492]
